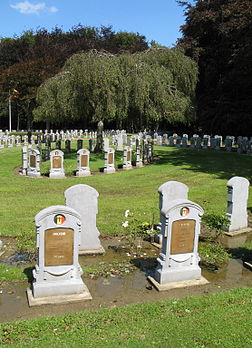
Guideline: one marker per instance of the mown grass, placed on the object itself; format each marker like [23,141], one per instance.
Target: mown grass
[205,172]
[218,320]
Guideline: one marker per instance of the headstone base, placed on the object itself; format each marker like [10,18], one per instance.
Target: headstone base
[33,175]
[238,232]
[139,165]
[83,173]
[177,285]
[127,166]
[57,288]
[99,251]
[57,175]
[177,274]
[109,170]
[32,301]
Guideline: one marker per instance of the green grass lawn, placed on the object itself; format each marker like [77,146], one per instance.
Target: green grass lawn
[205,172]
[219,320]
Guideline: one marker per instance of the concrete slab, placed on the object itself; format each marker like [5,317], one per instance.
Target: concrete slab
[84,296]
[100,251]
[177,285]
[238,232]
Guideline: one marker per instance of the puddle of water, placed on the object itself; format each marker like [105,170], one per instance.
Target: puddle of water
[120,290]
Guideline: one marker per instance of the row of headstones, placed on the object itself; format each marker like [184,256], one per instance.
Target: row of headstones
[64,232]
[31,159]
[243,144]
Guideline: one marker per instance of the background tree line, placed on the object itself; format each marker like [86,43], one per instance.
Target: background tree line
[151,89]
[218,35]
[27,61]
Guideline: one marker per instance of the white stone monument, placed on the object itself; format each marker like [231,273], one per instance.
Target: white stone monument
[179,259]
[127,154]
[57,164]
[83,163]
[57,275]
[237,197]
[33,167]
[109,166]
[169,191]
[84,199]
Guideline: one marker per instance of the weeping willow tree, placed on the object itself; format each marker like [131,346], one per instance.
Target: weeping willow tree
[137,91]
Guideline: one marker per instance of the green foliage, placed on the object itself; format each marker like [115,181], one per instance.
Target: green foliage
[217,34]
[212,254]
[215,221]
[142,89]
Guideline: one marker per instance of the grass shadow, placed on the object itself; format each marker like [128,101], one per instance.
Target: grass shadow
[220,163]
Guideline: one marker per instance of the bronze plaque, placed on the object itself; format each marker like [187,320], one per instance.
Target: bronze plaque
[128,156]
[57,162]
[59,246]
[33,161]
[84,160]
[182,238]
[110,158]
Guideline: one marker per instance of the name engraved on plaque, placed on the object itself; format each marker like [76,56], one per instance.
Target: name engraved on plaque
[110,158]
[128,156]
[57,160]
[59,247]
[182,238]
[32,161]
[84,160]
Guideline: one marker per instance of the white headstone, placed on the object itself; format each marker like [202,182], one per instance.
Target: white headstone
[237,197]
[57,275]
[84,199]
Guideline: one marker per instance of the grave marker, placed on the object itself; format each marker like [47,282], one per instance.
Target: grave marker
[83,163]
[237,196]
[57,275]
[179,260]
[84,199]
[57,167]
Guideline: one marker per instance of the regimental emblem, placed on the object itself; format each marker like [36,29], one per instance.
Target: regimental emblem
[59,219]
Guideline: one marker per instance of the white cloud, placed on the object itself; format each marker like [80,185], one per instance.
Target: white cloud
[26,7]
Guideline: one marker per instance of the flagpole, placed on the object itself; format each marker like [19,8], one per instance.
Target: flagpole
[9,111]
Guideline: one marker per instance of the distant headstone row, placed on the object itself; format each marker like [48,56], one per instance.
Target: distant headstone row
[31,159]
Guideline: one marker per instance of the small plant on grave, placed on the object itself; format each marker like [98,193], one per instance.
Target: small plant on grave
[134,227]
[212,255]
[215,221]
[26,243]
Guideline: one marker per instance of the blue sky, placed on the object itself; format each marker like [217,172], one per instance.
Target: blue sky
[158,20]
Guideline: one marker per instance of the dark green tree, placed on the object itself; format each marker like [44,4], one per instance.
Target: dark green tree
[218,35]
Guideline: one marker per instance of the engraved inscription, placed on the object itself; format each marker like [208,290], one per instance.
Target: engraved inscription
[33,161]
[84,160]
[57,162]
[59,246]
[182,238]
[110,158]
[128,156]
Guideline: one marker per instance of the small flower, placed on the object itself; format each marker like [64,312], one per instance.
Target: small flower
[126,214]
[125,224]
